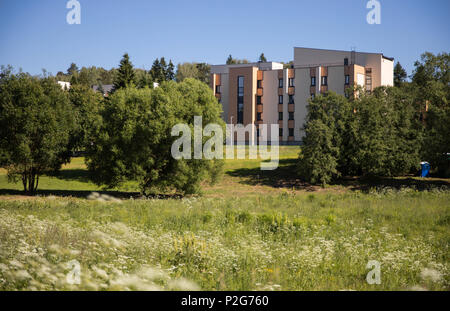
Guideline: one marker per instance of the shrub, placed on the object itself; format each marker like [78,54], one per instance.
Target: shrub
[36,123]
[134,141]
[373,135]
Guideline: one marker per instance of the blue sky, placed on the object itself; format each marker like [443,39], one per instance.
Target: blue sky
[35,34]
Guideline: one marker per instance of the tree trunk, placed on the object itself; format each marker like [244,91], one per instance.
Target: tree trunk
[24,182]
[30,181]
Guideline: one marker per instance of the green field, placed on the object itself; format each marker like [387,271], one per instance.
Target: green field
[253,230]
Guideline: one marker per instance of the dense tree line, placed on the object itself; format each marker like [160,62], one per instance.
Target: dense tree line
[126,135]
[160,71]
[386,133]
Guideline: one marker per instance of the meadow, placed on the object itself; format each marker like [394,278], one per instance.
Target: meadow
[253,230]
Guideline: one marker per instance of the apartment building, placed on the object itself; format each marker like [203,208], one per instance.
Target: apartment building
[265,93]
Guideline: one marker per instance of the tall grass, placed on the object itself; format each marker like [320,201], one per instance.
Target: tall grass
[286,241]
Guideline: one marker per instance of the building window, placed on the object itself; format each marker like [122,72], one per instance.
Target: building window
[291,82]
[280,116]
[280,131]
[291,99]
[240,100]
[217,89]
[369,79]
[324,80]
[346,61]
[259,100]
[313,96]
[313,81]
[280,99]
[291,132]
[280,83]
[347,79]
[258,116]
[259,84]
[291,116]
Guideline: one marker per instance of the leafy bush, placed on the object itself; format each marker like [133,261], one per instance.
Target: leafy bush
[36,122]
[325,130]
[372,135]
[134,141]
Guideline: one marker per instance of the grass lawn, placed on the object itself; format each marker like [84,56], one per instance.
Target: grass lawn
[254,230]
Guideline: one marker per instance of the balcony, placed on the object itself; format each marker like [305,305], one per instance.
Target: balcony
[291,124]
[291,73]
[260,75]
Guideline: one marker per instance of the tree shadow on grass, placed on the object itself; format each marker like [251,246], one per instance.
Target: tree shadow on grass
[83,194]
[380,184]
[285,176]
[80,175]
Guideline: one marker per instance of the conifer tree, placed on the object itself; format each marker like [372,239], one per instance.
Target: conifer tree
[125,75]
[262,58]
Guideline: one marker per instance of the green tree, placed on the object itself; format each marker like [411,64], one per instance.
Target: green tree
[85,77]
[204,72]
[262,58]
[233,61]
[125,75]
[230,60]
[436,143]
[432,68]
[100,88]
[399,75]
[36,122]
[157,72]
[86,107]
[161,71]
[170,71]
[372,135]
[324,132]
[388,135]
[288,64]
[134,142]
[199,71]
[318,157]
[431,83]
[143,78]
[186,70]
[72,70]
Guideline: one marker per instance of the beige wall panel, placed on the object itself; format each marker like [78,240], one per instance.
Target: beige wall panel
[336,79]
[224,97]
[249,74]
[270,99]
[301,97]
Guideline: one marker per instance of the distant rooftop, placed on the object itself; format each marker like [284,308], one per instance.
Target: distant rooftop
[261,65]
[107,88]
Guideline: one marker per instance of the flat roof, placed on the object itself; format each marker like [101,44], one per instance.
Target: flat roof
[255,64]
[332,50]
